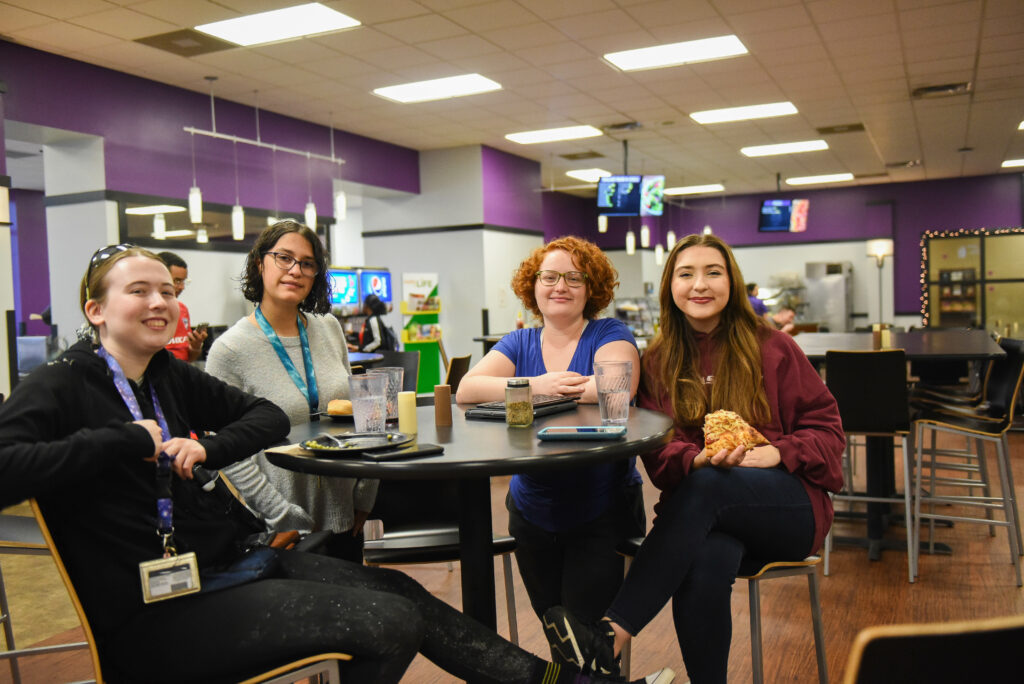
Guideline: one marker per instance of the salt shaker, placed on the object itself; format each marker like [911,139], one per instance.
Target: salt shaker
[518,403]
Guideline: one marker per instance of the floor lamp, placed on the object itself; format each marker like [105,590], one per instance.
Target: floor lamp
[880,249]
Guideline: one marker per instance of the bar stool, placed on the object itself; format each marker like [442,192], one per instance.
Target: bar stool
[755,572]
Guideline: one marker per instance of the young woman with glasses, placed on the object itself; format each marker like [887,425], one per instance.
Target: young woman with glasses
[566,524]
[291,351]
[101,438]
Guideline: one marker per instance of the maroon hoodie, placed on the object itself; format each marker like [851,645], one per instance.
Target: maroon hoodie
[805,426]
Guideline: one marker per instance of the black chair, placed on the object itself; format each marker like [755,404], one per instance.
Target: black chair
[410,361]
[870,388]
[457,368]
[989,422]
[985,650]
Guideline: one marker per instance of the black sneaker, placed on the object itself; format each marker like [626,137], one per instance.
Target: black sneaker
[587,647]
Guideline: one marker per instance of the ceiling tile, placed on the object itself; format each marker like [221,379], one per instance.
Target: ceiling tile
[295,51]
[459,47]
[492,15]
[197,12]
[422,28]
[375,11]
[595,24]
[15,18]
[67,36]
[61,9]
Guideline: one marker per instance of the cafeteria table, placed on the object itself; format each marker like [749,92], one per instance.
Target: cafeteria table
[475,450]
[938,344]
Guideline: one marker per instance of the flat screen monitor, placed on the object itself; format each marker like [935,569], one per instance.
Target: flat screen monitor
[783,216]
[631,195]
[378,282]
[344,290]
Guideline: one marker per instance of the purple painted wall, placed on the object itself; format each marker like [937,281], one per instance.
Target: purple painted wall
[30,261]
[510,188]
[568,215]
[146,150]
[902,211]
[3,145]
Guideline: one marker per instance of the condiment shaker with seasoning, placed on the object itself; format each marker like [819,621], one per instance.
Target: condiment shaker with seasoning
[518,403]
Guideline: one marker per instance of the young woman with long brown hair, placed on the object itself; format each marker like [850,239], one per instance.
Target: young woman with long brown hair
[768,503]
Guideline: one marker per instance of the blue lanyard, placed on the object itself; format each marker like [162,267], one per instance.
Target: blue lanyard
[164,505]
[312,394]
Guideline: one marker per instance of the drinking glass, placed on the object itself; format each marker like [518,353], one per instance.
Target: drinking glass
[395,375]
[369,401]
[613,383]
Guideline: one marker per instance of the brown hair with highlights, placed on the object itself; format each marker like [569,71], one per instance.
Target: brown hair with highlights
[318,301]
[602,278]
[94,286]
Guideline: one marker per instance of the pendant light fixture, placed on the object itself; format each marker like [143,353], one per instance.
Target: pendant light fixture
[202,237]
[670,239]
[340,201]
[659,254]
[159,227]
[237,213]
[707,230]
[602,223]
[195,195]
[630,242]
[273,218]
[645,236]
[310,212]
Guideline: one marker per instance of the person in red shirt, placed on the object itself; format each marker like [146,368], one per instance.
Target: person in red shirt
[187,343]
[716,510]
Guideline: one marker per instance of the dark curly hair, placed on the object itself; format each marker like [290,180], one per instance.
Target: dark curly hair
[602,278]
[318,301]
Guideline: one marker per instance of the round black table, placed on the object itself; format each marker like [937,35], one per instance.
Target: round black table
[474,450]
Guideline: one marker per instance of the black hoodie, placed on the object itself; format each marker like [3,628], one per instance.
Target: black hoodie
[67,439]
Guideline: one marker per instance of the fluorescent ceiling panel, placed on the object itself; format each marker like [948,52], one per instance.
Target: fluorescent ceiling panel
[695,189]
[438,88]
[824,178]
[588,175]
[553,134]
[1013,163]
[154,209]
[761,111]
[281,24]
[184,232]
[785,148]
[674,54]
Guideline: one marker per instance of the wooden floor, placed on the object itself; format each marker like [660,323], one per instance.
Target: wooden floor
[976,581]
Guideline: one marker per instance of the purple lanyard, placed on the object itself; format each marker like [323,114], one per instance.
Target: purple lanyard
[164,505]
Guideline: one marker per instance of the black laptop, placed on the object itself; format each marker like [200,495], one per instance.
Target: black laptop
[543,405]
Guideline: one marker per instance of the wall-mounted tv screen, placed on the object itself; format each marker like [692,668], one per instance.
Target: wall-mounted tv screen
[783,216]
[631,195]
[344,290]
[376,281]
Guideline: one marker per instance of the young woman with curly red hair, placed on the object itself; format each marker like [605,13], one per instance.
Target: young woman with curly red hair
[566,524]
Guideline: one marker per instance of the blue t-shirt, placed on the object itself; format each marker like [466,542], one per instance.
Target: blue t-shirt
[561,500]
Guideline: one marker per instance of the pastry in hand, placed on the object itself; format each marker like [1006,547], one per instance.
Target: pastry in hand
[727,430]
[339,407]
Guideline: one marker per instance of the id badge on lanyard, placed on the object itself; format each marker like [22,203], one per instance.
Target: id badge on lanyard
[172,575]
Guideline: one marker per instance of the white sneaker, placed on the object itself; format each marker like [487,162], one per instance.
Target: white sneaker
[663,676]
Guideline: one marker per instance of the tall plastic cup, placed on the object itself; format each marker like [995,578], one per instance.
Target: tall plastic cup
[395,375]
[369,401]
[613,383]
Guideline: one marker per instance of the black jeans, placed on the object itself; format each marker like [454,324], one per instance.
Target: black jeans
[315,604]
[710,523]
[578,569]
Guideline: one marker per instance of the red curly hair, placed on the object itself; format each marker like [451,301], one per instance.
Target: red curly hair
[602,278]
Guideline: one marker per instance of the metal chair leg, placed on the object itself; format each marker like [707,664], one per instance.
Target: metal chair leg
[510,599]
[627,650]
[819,627]
[1011,489]
[5,617]
[908,511]
[1011,517]
[756,657]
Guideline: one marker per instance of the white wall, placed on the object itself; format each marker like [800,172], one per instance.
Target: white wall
[634,271]
[347,247]
[6,304]
[214,296]
[451,194]
[502,254]
[74,165]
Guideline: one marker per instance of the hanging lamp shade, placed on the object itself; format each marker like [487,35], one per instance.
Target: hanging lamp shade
[340,206]
[159,227]
[707,230]
[602,223]
[195,204]
[311,215]
[670,239]
[630,242]
[237,222]
[202,237]
[659,254]
[271,220]
[645,236]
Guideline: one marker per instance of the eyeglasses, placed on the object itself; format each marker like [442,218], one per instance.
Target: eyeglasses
[572,278]
[101,255]
[285,262]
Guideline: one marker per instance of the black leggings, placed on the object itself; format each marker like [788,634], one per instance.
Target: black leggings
[693,552]
[315,604]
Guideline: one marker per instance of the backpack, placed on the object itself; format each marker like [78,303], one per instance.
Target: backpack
[390,340]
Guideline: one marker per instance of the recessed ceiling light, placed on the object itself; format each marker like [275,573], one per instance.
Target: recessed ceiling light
[154,209]
[785,148]
[1013,163]
[695,189]
[281,24]
[674,54]
[553,134]
[438,88]
[825,178]
[588,175]
[761,111]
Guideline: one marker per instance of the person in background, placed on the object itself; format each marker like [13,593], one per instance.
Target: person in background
[567,524]
[760,308]
[102,433]
[768,503]
[292,351]
[783,319]
[187,343]
[374,335]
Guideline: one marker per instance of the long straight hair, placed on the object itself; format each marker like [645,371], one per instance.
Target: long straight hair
[673,360]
